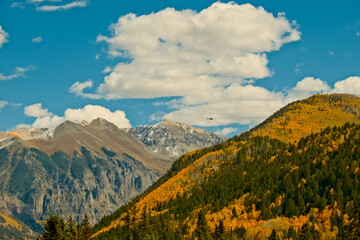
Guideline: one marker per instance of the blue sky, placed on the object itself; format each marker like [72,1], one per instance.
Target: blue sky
[53,55]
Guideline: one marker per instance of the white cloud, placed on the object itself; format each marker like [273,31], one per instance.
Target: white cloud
[46,119]
[18,5]
[90,112]
[307,87]
[3,104]
[97,56]
[226,131]
[4,37]
[205,58]
[19,72]
[107,70]
[350,85]
[235,104]
[176,53]
[37,39]
[52,8]
[78,89]
[210,60]
[247,104]
[36,110]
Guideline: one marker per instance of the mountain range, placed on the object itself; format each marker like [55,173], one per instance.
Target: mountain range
[81,167]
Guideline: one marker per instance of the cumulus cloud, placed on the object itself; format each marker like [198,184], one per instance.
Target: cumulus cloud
[226,131]
[78,89]
[207,59]
[90,112]
[235,104]
[37,39]
[36,110]
[307,87]
[204,58]
[247,104]
[4,37]
[350,85]
[46,119]
[176,53]
[52,8]
[19,72]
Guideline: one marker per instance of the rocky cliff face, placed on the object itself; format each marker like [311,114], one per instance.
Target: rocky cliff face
[174,139]
[88,182]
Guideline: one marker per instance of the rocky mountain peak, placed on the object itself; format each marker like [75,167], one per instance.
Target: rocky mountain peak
[103,123]
[173,138]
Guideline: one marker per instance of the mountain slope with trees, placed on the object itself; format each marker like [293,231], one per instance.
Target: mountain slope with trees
[301,118]
[255,187]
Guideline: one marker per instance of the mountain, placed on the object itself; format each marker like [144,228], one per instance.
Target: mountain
[174,139]
[301,118]
[260,184]
[70,136]
[73,169]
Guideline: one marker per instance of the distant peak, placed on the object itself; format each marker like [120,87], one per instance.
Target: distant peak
[166,121]
[101,122]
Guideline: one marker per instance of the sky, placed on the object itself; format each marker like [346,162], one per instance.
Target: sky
[135,63]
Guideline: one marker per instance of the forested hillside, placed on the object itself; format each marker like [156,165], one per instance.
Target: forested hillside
[301,118]
[255,187]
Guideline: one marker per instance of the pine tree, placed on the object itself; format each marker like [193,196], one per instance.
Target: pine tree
[219,233]
[234,213]
[240,232]
[79,232]
[273,235]
[291,233]
[145,223]
[86,228]
[127,226]
[54,229]
[202,229]
[71,229]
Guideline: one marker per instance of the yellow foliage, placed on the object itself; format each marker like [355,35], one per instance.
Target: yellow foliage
[311,116]
[11,221]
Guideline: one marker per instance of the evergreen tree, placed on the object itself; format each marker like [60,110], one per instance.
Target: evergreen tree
[54,229]
[71,229]
[240,232]
[234,213]
[202,229]
[352,230]
[273,235]
[219,233]
[127,226]
[291,233]
[145,223]
[86,228]
[79,232]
